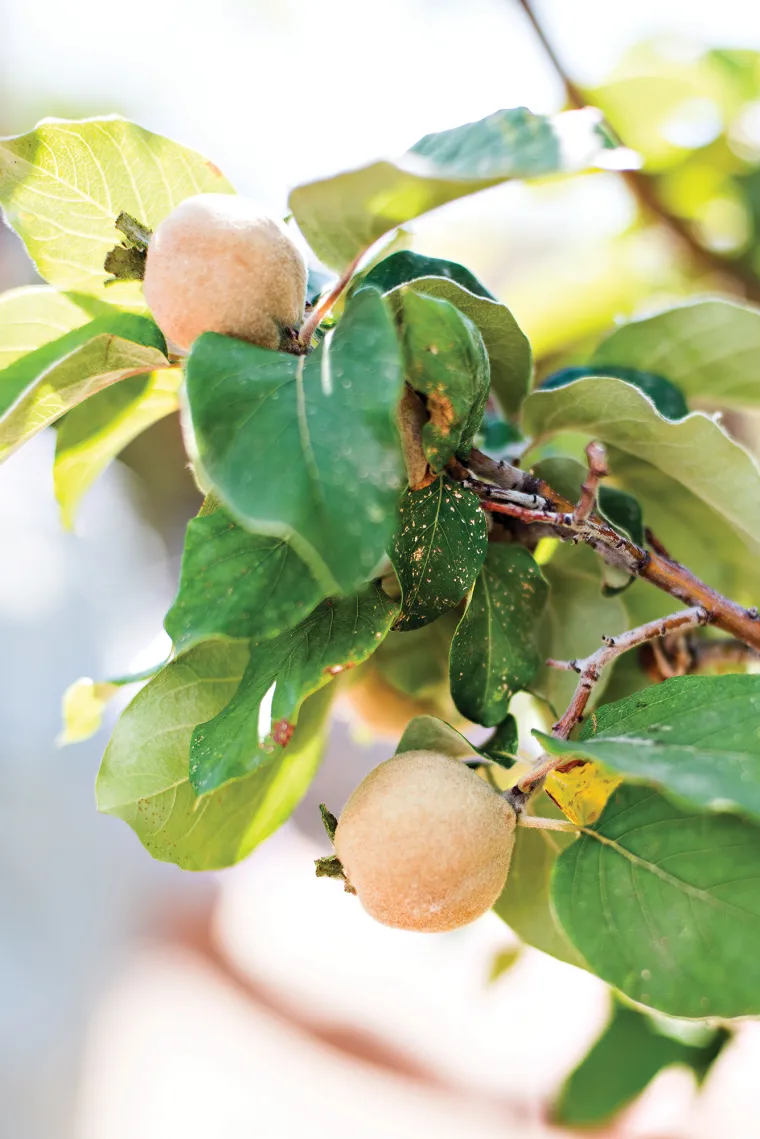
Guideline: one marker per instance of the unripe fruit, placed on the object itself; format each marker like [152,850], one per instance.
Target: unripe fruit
[216,264]
[425,842]
[386,710]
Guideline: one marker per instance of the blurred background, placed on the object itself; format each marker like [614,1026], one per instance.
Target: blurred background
[138,1002]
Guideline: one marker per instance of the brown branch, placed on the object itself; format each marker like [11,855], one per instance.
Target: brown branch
[551,510]
[590,668]
[643,187]
[590,672]
[597,470]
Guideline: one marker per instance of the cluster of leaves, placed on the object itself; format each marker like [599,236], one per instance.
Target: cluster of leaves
[308,513]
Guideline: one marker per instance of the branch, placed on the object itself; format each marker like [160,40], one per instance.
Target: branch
[597,470]
[643,187]
[590,668]
[535,503]
[590,672]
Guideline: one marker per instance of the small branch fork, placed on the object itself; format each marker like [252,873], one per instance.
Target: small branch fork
[522,496]
[590,671]
[590,668]
[597,470]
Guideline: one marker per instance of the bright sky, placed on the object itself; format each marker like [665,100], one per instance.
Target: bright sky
[279,91]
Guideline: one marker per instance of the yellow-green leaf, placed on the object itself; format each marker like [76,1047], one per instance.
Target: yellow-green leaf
[96,431]
[63,185]
[83,705]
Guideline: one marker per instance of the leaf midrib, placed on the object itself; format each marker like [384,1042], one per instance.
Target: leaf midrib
[670,879]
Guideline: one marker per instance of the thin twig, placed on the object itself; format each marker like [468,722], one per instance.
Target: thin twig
[597,470]
[321,310]
[591,667]
[643,187]
[590,672]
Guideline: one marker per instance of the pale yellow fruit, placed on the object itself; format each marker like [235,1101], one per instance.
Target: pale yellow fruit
[425,842]
[217,264]
[386,710]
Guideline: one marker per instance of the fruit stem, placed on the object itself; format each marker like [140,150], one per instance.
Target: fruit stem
[326,303]
[535,822]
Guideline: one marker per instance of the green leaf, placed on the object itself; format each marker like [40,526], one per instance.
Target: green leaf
[406,267]
[144,780]
[507,346]
[665,396]
[96,431]
[697,738]
[623,510]
[501,746]
[665,905]
[35,314]
[696,452]
[524,903]
[63,185]
[576,617]
[343,215]
[445,361]
[306,448]
[623,1061]
[709,348]
[494,653]
[36,389]
[236,584]
[502,961]
[253,730]
[438,550]
[428,733]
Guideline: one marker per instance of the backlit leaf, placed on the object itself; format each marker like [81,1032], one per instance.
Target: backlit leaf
[36,389]
[343,215]
[144,779]
[96,431]
[63,185]
[32,315]
[524,903]
[254,729]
